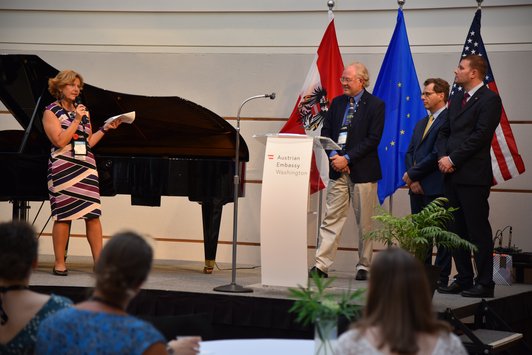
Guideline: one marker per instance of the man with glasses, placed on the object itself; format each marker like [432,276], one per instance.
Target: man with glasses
[355,121]
[423,177]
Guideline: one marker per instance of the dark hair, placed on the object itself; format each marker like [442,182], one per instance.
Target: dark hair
[440,86]
[478,63]
[399,302]
[123,265]
[18,250]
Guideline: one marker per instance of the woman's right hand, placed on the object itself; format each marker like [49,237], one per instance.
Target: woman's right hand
[185,345]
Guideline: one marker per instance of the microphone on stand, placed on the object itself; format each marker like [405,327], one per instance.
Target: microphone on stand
[233,286]
[85,119]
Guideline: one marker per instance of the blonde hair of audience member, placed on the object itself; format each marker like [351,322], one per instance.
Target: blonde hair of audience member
[398,316]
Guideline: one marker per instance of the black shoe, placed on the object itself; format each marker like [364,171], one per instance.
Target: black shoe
[453,288]
[60,272]
[318,272]
[442,282]
[361,275]
[478,291]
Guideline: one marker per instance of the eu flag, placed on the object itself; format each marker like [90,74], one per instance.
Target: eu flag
[398,87]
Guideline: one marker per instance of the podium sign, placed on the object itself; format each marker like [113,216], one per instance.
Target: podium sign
[283,224]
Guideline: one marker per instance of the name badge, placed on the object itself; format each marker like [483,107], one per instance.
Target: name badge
[342,138]
[80,149]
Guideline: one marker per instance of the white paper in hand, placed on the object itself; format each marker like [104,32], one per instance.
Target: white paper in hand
[125,117]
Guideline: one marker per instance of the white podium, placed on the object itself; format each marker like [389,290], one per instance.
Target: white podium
[284,202]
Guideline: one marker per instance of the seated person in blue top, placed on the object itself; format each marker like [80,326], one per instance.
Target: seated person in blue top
[101,325]
[21,310]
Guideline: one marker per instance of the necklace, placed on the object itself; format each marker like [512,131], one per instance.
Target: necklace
[3,289]
[106,302]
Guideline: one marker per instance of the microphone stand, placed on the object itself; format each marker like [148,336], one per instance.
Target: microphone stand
[233,286]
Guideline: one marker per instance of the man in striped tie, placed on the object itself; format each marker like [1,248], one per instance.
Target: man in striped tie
[424,179]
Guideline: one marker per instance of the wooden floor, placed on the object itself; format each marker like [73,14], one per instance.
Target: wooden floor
[187,276]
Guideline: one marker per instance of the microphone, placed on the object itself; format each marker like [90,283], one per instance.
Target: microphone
[77,102]
[271,96]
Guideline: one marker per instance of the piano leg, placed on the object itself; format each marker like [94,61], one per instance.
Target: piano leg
[211,210]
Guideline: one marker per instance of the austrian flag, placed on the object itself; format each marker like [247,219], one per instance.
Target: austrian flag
[320,87]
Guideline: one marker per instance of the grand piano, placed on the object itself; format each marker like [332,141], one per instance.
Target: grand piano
[173,148]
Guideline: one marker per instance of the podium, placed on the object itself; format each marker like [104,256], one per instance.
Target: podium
[284,202]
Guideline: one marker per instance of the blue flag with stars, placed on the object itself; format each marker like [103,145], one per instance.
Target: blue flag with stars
[398,87]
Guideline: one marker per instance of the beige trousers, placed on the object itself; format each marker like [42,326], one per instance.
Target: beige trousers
[363,198]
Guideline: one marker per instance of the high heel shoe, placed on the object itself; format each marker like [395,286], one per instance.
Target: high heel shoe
[60,272]
[209,266]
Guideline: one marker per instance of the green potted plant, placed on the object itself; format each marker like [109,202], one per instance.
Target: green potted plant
[316,305]
[418,232]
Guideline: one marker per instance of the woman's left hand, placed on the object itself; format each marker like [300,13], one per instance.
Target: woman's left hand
[112,125]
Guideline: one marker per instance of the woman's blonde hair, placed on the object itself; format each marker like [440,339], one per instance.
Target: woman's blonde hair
[62,79]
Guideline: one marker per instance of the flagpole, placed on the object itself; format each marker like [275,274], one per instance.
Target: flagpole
[330,4]
[479,4]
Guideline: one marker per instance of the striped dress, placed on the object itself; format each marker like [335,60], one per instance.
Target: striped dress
[72,183]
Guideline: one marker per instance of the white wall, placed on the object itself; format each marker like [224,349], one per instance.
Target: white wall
[219,53]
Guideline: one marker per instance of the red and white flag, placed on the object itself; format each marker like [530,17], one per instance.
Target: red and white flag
[506,162]
[320,87]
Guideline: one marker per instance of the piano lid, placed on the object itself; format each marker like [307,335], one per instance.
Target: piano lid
[164,126]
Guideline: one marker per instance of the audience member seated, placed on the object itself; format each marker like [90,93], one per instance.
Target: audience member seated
[101,325]
[398,317]
[21,310]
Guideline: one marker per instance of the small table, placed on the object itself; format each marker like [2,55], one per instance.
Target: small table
[257,347]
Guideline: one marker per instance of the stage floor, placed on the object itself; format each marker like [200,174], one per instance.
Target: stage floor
[187,276]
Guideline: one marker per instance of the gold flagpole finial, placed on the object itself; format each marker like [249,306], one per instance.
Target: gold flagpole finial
[479,4]
[401,3]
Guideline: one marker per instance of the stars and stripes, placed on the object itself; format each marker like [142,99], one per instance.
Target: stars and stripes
[505,159]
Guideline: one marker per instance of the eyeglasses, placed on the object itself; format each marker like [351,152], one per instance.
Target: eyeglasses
[343,79]
[427,94]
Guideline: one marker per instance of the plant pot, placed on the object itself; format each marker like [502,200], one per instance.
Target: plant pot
[325,336]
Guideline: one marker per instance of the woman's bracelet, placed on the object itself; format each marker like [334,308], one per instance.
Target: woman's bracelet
[102,130]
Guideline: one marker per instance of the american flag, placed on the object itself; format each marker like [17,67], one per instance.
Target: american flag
[505,159]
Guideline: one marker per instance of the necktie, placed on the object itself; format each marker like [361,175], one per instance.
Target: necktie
[427,127]
[350,111]
[342,136]
[464,99]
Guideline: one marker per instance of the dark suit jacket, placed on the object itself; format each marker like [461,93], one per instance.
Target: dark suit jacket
[466,136]
[363,136]
[422,159]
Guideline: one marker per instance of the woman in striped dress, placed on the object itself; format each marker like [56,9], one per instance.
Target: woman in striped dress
[72,176]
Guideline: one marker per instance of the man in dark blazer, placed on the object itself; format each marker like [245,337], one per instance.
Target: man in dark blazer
[463,145]
[355,121]
[423,177]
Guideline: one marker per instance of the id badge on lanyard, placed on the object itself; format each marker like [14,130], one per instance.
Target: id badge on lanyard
[342,138]
[80,149]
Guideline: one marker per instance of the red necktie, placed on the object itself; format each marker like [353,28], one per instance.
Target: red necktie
[464,99]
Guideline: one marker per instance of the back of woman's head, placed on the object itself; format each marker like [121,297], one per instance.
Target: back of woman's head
[399,301]
[18,250]
[123,265]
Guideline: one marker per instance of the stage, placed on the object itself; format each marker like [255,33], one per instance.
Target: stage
[180,300]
